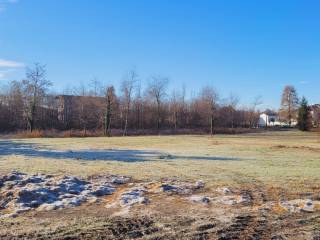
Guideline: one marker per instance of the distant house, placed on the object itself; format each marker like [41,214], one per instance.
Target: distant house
[315,113]
[269,119]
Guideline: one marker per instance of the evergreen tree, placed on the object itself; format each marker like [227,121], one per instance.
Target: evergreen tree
[304,116]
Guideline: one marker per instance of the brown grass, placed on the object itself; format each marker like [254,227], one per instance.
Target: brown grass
[54,133]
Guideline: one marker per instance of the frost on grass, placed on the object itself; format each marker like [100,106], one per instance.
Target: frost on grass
[300,205]
[20,192]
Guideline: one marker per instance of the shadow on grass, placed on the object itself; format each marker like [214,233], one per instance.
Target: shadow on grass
[203,158]
[8,147]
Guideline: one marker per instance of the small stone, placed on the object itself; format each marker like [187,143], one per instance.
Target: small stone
[200,184]
[224,190]
[120,180]
[47,207]
[200,199]
[22,210]
[9,215]
[167,187]
[205,227]
[135,234]
[103,190]
[93,200]
[35,203]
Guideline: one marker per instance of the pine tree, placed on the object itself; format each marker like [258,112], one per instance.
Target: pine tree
[304,116]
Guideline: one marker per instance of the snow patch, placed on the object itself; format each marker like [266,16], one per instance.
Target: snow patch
[134,196]
[20,192]
[300,205]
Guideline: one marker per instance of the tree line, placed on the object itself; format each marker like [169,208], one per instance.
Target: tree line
[29,104]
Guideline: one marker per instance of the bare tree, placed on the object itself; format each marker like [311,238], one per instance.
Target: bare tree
[110,101]
[157,91]
[138,102]
[84,107]
[127,87]
[289,103]
[253,114]
[233,102]
[174,107]
[35,88]
[4,109]
[96,87]
[16,104]
[209,97]
[27,104]
[183,114]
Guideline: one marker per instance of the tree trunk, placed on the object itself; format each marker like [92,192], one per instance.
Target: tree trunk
[175,120]
[211,125]
[31,125]
[158,116]
[31,119]
[138,117]
[108,125]
[126,123]
[107,122]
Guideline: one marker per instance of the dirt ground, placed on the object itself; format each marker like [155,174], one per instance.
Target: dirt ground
[269,171]
[167,217]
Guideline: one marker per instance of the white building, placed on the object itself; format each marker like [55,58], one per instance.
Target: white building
[269,119]
[315,113]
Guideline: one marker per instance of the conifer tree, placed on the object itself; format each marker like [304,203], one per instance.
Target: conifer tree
[304,116]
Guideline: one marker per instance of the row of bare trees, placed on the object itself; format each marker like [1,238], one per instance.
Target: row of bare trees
[24,104]
[28,104]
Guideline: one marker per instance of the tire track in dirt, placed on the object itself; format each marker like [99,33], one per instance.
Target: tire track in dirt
[120,228]
[246,226]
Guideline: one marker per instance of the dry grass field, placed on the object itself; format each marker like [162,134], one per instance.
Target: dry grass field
[269,167]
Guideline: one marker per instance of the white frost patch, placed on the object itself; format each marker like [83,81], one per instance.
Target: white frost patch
[225,200]
[300,205]
[232,200]
[20,192]
[134,196]
[229,197]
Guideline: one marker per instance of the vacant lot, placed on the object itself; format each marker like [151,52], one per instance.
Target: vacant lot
[267,168]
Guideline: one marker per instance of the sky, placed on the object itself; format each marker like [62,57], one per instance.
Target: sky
[248,48]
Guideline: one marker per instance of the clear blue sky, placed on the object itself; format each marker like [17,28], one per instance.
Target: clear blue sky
[249,48]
